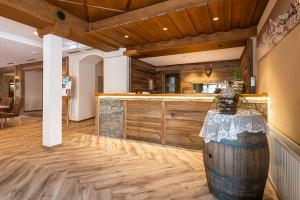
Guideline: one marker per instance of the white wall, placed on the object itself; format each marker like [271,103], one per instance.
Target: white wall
[87,87]
[77,114]
[116,74]
[33,90]
[116,79]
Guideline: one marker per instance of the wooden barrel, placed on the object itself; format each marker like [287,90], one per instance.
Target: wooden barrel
[237,169]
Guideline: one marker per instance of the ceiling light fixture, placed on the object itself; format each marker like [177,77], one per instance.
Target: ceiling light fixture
[216,18]
[165,28]
[126,36]
[35,33]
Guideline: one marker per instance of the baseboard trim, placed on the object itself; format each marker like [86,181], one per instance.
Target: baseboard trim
[51,148]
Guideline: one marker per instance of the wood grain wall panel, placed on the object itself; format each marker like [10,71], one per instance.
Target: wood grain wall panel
[194,73]
[140,73]
[143,120]
[246,69]
[183,122]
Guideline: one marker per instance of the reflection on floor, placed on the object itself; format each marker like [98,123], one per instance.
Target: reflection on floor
[92,167]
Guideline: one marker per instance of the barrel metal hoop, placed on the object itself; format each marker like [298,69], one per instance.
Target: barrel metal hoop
[220,193]
[235,143]
[235,181]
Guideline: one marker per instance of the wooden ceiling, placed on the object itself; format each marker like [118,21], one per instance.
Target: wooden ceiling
[138,25]
[93,10]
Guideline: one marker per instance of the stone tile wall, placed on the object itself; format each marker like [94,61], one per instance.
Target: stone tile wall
[111,117]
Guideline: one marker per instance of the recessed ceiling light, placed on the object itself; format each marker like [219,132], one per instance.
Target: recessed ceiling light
[126,36]
[35,33]
[165,28]
[216,18]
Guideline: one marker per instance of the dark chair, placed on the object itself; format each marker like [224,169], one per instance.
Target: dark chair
[14,114]
[6,101]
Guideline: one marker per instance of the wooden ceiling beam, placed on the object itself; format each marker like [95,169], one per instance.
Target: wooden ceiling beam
[146,12]
[218,40]
[38,14]
[43,16]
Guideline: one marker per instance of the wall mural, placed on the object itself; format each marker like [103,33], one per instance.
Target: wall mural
[283,18]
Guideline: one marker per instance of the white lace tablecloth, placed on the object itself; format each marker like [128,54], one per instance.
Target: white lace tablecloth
[219,126]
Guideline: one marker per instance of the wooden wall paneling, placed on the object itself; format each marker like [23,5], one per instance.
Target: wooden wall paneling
[225,14]
[144,120]
[248,12]
[214,10]
[140,73]
[247,65]
[183,22]
[184,120]
[194,73]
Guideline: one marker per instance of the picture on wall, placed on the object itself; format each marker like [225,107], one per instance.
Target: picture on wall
[283,19]
[66,86]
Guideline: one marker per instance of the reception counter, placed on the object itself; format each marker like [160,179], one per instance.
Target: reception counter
[159,118]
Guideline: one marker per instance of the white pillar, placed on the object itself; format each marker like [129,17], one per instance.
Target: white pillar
[52,87]
[116,74]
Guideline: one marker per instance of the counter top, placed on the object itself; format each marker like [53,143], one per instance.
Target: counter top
[251,98]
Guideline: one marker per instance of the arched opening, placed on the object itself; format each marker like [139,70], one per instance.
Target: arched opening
[90,82]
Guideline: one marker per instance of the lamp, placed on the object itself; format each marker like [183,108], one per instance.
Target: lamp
[208,71]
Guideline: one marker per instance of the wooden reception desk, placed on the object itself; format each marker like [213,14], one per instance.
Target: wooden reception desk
[166,119]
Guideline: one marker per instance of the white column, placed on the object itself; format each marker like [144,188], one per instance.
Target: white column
[116,73]
[52,86]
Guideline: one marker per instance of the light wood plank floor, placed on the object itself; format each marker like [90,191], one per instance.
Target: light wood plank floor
[92,167]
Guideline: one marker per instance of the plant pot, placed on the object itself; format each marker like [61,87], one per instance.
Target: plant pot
[238,86]
[227,106]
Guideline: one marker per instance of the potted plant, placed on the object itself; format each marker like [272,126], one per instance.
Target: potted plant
[227,102]
[238,84]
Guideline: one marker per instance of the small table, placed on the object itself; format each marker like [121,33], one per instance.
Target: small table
[2,120]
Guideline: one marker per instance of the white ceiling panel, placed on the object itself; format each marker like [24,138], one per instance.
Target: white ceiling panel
[196,57]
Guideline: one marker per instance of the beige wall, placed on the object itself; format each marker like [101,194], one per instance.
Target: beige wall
[33,93]
[279,76]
